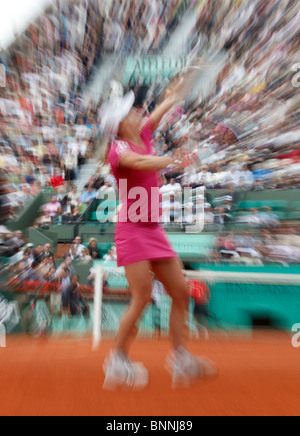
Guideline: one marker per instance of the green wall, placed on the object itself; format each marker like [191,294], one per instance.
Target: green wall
[29,214]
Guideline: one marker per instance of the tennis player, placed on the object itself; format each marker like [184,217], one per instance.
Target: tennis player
[142,246]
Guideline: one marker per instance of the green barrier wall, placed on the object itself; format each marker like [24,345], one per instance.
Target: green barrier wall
[274,194]
[192,246]
[30,213]
[64,232]
[42,237]
[237,305]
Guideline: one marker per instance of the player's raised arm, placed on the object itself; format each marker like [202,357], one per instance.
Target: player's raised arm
[173,97]
[177,90]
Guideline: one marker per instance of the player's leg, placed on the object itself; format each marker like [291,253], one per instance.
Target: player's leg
[184,367]
[119,370]
[169,273]
[140,284]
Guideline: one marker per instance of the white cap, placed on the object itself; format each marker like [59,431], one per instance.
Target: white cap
[113,112]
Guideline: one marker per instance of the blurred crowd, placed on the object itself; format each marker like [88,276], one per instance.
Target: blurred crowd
[139,27]
[47,128]
[245,133]
[266,247]
[66,204]
[36,269]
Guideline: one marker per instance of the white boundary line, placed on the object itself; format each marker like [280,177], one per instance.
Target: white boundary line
[249,277]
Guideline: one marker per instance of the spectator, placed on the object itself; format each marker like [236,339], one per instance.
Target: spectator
[89,195]
[105,189]
[246,241]
[15,242]
[246,178]
[75,214]
[25,263]
[76,249]
[70,165]
[269,219]
[93,249]
[111,255]
[62,277]
[72,299]
[165,151]
[205,178]
[173,188]
[44,267]
[59,219]
[57,180]
[171,210]
[51,209]
[34,273]
[44,218]
[201,295]
[85,256]
[74,196]
[47,251]
[38,253]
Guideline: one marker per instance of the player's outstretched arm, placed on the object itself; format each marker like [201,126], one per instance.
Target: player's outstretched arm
[177,90]
[139,162]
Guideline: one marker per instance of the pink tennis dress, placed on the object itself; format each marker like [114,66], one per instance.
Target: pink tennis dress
[139,235]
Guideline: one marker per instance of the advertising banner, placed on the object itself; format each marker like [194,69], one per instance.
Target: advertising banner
[150,68]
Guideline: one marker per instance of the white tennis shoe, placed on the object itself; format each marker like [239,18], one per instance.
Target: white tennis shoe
[122,373]
[185,369]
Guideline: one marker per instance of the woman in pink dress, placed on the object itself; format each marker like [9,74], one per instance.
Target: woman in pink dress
[142,245]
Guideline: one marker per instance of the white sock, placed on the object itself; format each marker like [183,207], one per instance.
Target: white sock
[119,355]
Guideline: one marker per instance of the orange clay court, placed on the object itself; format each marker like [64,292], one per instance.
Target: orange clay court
[64,377]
